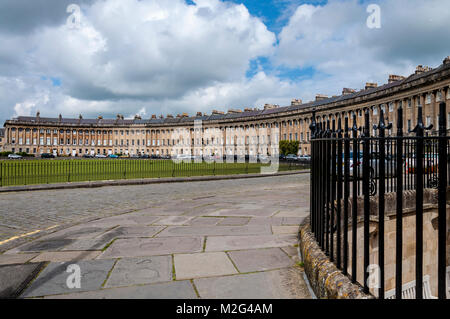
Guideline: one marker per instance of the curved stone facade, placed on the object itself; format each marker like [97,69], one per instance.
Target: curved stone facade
[237,132]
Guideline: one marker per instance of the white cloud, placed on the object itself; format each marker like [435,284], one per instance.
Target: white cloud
[335,40]
[164,56]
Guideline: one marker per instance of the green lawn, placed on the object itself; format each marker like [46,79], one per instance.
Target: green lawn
[26,172]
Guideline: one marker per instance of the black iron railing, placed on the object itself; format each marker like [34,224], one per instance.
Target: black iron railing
[350,167]
[48,171]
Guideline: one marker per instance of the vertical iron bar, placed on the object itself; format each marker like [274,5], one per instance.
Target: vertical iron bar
[354,198]
[333,190]
[419,205]
[339,195]
[399,208]
[442,201]
[346,194]
[382,176]
[328,188]
[366,180]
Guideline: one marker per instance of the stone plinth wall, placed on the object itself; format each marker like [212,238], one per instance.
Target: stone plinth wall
[430,239]
[326,280]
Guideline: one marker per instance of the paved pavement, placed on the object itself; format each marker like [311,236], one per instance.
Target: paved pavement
[217,239]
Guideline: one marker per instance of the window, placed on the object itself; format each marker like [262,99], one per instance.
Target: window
[409,103]
[375,111]
[409,125]
[428,121]
[428,99]
[391,107]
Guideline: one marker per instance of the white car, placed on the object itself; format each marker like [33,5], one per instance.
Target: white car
[14,156]
[100,156]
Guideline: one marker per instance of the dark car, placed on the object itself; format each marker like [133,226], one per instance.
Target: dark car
[47,155]
[88,156]
[145,156]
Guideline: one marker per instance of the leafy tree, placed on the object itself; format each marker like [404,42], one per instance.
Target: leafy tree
[288,147]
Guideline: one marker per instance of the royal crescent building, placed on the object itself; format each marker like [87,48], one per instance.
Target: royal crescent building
[236,131]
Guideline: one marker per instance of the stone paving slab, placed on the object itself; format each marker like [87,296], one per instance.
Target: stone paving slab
[53,279]
[203,221]
[7,259]
[14,278]
[214,231]
[173,221]
[61,256]
[140,247]
[162,211]
[39,246]
[188,266]
[276,284]
[225,243]
[170,290]
[260,259]
[261,212]
[88,244]
[77,232]
[144,270]
[196,231]
[234,221]
[265,221]
[132,231]
[143,219]
[121,220]
[299,212]
[292,220]
[278,230]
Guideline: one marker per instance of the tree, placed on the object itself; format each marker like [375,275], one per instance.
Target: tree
[288,147]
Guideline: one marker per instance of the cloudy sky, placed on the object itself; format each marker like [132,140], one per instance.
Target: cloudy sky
[171,56]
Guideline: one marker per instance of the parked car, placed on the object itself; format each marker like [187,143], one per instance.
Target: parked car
[145,156]
[184,157]
[100,156]
[47,155]
[304,158]
[291,157]
[374,164]
[88,156]
[113,156]
[14,156]
[134,156]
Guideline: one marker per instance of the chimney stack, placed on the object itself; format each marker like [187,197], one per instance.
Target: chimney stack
[153,116]
[234,111]
[295,102]
[394,78]
[217,112]
[346,91]
[447,60]
[421,69]
[370,85]
[320,97]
